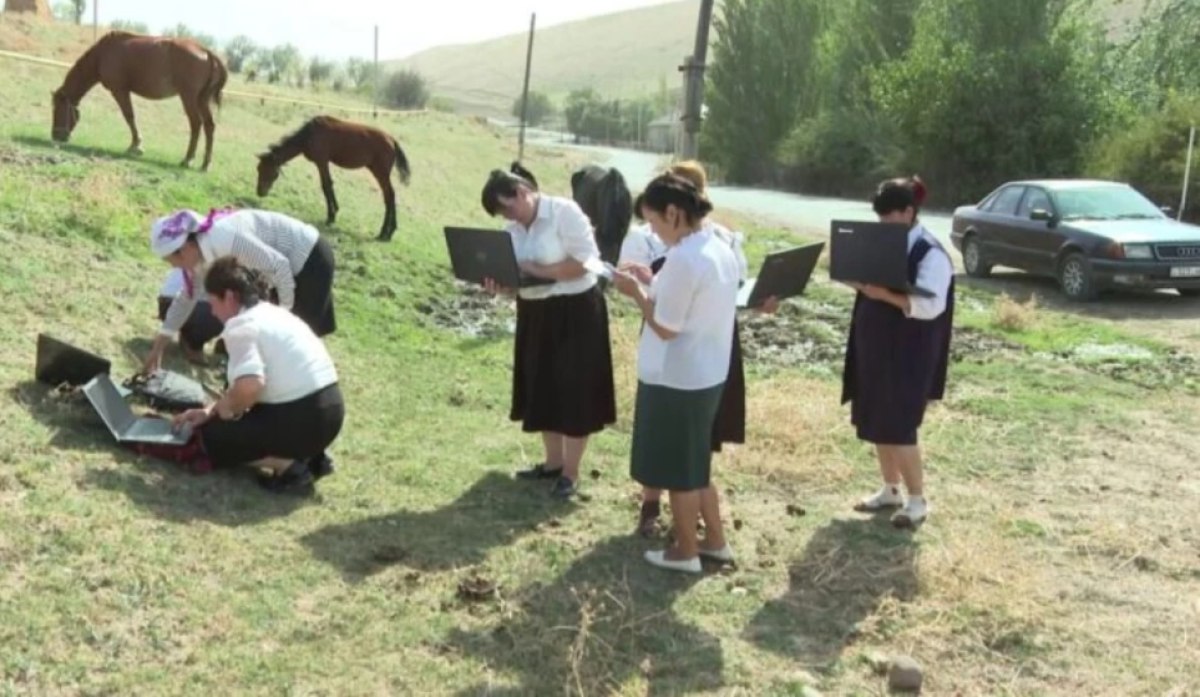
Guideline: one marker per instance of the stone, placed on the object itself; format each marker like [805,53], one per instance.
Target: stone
[905,675]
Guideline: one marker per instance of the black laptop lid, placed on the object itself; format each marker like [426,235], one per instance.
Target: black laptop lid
[476,254]
[59,362]
[785,274]
[869,252]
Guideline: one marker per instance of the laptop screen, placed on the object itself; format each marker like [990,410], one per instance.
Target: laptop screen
[59,362]
[103,395]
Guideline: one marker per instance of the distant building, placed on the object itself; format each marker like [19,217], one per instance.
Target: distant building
[662,134]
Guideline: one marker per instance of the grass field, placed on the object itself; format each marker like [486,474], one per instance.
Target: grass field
[1063,556]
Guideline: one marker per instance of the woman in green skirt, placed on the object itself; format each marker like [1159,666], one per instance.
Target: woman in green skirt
[683,360]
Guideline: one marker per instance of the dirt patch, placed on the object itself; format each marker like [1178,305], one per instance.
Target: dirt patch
[797,335]
[472,312]
[1173,369]
[21,157]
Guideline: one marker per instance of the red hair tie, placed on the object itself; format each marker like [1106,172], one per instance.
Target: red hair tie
[920,192]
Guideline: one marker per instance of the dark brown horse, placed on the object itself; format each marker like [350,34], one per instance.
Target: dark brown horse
[324,140]
[605,199]
[150,67]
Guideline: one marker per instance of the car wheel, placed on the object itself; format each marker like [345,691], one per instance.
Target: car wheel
[973,260]
[1075,278]
[1189,292]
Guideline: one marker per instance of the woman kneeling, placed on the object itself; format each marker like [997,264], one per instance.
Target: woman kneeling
[283,407]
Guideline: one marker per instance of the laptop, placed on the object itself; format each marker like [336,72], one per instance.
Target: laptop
[783,274]
[59,362]
[476,254]
[123,423]
[871,253]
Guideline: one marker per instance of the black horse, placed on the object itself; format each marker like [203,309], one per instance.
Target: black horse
[604,197]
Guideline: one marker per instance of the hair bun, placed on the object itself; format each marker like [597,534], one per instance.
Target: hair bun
[920,191]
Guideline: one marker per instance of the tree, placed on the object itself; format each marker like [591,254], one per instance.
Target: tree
[406,89]
[183,31]
[79,7]
[584,113]
[281,64]
[319,71]
[360,74]
[126,25]
[539,111]
[238,52]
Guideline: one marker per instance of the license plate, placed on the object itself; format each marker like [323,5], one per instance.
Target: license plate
[1185,272]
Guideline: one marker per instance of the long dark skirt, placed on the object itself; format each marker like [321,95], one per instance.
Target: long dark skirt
[730,423]
[299,429]
[314,290]
[200,328]
[562,365]
[671,433]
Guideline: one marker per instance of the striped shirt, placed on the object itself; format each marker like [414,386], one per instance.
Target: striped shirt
[271,243]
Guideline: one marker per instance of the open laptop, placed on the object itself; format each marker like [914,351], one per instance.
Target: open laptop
[123,423]
[59,362]
[783,274]
[871,253]
[476,254]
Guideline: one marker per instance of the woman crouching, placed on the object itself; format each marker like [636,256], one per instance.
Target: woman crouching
[283,407]
[683,361]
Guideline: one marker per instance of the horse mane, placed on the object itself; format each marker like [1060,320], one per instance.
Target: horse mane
[294,142]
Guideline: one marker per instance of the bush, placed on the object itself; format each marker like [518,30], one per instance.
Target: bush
[406,89]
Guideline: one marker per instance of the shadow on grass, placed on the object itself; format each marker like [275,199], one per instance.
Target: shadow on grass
[111,155]
[495,511]
[607,619]
[165,489]
[848,568]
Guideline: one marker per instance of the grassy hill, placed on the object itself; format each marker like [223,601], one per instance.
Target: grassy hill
[1061,558]
[626,53]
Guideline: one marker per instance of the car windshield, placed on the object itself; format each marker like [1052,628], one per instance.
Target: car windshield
[1105,203]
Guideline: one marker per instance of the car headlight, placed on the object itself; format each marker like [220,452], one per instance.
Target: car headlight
[1138,251]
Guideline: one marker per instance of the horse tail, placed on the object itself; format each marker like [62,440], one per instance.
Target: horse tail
[217,77]
[401,162]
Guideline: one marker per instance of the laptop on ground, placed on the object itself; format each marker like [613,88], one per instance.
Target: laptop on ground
[123,423]
[871,253]
[59,362]
[783,274]
[476,254]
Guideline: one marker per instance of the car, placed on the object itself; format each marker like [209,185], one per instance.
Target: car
[1090,235]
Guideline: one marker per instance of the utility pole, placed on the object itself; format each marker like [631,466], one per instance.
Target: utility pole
[693,70]
[95,19]
[525,89]
[375,78]
[1187,173]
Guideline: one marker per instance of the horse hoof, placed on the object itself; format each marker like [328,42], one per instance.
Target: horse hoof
[135,151]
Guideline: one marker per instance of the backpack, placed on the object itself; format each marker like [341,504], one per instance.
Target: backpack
[165,390]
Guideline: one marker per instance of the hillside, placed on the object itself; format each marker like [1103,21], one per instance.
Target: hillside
[619,54]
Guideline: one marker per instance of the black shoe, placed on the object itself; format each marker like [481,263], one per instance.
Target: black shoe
[296,480]
[564,488]
[539,471]
[320,466]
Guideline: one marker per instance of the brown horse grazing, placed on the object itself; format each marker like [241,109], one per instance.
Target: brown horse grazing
[325,139]
[150,67]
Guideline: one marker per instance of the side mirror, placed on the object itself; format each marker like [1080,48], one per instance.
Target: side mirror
[1043,215]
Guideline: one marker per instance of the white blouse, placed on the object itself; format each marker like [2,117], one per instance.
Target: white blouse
[559,230]
[642,246]
[270,342]
[695,294]
[934,274]
[275,245]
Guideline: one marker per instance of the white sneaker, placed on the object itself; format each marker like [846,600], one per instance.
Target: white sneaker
[659,558]
[724,554]
[888,496]
[913,514]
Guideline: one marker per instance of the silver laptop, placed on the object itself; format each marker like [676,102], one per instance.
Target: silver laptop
[124,424]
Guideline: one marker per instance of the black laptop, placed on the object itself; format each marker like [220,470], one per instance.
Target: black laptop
[783,274]
[871,253]
[59,362]
[476,254]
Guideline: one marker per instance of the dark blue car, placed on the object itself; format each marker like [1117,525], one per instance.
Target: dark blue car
[1089,235]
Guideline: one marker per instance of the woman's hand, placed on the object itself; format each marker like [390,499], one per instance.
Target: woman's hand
[628,285]
[193,418]
[639,271]
[495,288]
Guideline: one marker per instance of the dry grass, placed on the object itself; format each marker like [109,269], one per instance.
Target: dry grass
[1013,316]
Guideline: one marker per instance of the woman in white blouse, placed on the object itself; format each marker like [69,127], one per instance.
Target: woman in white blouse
[683,363]
[283,407]
[562,358]
[289,254]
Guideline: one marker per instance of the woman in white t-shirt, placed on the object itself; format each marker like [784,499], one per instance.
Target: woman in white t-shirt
[683,362]
[283,407]
[289,254]
[562,356]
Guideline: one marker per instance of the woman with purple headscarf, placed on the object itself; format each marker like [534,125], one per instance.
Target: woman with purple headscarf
[289,255]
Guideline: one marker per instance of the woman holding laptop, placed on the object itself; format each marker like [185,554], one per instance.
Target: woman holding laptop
[562,357]
[897,354]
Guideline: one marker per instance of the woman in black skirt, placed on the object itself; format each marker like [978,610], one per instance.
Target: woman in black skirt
[562,358]
[688,310]
[289,254]
[283,407]
[730,423]
[897,354]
